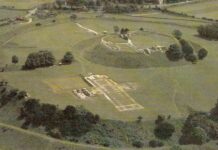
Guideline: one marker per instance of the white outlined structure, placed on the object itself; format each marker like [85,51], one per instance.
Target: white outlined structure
[114,93]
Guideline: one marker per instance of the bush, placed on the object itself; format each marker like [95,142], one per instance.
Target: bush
[186,47]
[155,143]
[177,34]
[174,52]
[192,58]
[38,24]
[14,59]
[137,143]
[197,135]
[202,53]
[68,58]
[199,128]
[164,130]
[208,31]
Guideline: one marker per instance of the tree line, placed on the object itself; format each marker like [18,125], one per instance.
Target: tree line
[74,122]
[45,59]
[71,121]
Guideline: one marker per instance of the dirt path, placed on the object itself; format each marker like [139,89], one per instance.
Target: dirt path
[31,12]
[87,29]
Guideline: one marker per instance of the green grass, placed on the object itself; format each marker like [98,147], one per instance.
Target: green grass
[202,9]
[104,56]
[23,4]
[161,90]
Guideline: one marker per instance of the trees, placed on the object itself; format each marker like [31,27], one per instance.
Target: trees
[192,58]
[202,53]
[164,130]
[177,34]
[15,59]
[196,135]
[68,58]
[186,47]
[174,52]
[208,31]
[39,59]
[199,128]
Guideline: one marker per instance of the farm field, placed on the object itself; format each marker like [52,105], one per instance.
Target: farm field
[206,9]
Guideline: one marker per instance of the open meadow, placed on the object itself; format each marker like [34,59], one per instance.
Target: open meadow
[22,4]
[147,80]
[206,9]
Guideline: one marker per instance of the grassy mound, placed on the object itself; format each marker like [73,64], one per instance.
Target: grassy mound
[120,59]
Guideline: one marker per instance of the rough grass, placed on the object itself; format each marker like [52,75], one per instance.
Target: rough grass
[104,56]
[23,4]
[201,9]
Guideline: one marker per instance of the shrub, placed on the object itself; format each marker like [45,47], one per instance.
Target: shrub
[137,143]
[14,59]
[197,135]
[191,57]
[155,143]
[164,130]
[38,24]
[68,58]
[202,53]
[177,34]
[186,47]
[174,52]
[208,31]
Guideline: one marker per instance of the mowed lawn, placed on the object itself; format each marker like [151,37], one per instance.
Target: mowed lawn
[202,9]
[160,90]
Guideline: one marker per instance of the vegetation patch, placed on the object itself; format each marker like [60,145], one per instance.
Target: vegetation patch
[120,59]
[209,31]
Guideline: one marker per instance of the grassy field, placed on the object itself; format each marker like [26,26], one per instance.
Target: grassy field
[202,9]
[23,4]
[182,88]
[161,87]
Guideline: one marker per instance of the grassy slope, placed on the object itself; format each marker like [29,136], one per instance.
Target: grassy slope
[202,9]
[23,4]
[26,140]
